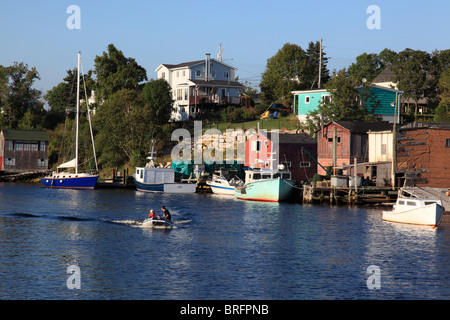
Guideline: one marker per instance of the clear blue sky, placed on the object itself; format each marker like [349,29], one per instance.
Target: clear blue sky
[172,31]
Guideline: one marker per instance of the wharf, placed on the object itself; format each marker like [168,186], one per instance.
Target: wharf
[349,195]
[429,193]
[123,181]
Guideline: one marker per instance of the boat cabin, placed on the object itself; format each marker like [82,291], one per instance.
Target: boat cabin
[411,202]
[256,175]
[155,175]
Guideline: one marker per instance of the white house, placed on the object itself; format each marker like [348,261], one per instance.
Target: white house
[198,82]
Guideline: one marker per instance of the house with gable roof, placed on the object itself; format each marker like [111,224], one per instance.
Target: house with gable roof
[200,82]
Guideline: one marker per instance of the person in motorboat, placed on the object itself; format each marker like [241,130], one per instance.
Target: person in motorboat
[166,213]
[151,215]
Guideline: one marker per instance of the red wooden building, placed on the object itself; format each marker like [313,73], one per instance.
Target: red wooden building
[423,154]
[259,153]
[343,141]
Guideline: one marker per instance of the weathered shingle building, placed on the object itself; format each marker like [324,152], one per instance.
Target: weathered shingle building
[23,150]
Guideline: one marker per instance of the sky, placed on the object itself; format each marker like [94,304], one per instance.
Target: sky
[250,32]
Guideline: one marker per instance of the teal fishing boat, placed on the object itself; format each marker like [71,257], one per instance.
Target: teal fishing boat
[266,185]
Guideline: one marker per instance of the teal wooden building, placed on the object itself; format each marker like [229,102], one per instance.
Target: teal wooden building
[306,101]
[385,100]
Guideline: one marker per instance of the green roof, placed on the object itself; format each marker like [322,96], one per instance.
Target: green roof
[25,135]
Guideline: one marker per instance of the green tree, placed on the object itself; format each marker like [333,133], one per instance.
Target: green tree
[122,123]
[411,71]
[291,68]
[17,94]
[158,98]
[115,72]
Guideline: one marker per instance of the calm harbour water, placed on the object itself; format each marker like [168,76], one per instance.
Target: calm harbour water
[223,248]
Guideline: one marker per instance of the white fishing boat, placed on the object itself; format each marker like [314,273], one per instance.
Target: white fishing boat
[220,185]
[158,223]
[416,211]
[152,179]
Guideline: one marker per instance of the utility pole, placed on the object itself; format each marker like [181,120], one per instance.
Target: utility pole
[320,63]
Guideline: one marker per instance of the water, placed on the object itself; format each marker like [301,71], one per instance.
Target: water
[222,248]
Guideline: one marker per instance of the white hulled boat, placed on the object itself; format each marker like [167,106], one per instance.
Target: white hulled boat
[416,211]
[152,179]
[220,185]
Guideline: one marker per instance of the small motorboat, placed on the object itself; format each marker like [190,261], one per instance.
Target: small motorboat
[416,211]
[220,185]
[160,223]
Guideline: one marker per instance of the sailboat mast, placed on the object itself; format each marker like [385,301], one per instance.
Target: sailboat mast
[78,113]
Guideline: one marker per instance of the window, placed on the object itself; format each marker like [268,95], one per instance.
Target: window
[26,147]
[184,73]
[10,145]
[163,75]
[213,73]
[257,176]
[19,146]
[286,176]
[179,94]
[447,143]
[326,99]
[178,74]
[225,74]
[307,99]
[34,147]
[410,203]
[42,163]
[42,146]
[266,176]
[305,164]
[10,162]
[198,73]
[338,139]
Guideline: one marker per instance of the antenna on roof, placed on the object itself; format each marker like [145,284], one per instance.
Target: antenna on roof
[219,55]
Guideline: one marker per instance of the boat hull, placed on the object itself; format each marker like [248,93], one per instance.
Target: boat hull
[273,190]
[166,187]
[158,223]
[220,189]
[80,181]
[429,215]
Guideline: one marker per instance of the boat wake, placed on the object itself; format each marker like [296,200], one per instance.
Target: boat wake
[132,223]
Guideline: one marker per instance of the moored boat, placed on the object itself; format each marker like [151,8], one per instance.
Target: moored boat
[152,179]
[220,185]
[266,185]
[73,180]
[416,211]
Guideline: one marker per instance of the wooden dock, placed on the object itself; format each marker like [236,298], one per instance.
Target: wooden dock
[349,195]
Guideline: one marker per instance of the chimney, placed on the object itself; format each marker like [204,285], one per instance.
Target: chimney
[207,66]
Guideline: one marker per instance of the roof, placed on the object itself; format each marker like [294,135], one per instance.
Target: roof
[191,63]
[290,138]
[296,138]
[363,127]
[183,64]
[387,75]
[425,125]
[25,135]
[212,83]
